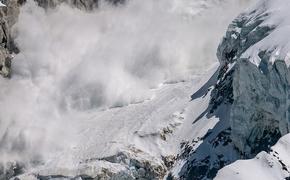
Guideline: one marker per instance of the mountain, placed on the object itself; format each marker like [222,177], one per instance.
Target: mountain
[250,96]
[267,53]
[132,90]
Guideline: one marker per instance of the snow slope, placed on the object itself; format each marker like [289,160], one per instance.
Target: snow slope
[273,165]
[274,14]
[154,127]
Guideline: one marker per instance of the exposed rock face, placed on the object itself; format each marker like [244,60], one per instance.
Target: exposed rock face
[259,110]
[8,16]
[5,62]
[82,4]
[10,170]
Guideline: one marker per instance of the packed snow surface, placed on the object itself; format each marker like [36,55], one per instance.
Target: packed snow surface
[267,166]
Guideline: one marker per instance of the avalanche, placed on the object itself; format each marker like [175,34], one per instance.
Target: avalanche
[120,92]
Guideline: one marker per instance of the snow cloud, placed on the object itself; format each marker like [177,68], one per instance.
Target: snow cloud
[72,62]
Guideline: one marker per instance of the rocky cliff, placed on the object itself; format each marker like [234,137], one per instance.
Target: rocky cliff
[250,94]
[82,4]
[8,16]
[260,90]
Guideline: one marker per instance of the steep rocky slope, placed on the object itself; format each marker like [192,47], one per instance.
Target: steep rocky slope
[81,4]
[260,85]
[8,16]
[249,95]
[266,76]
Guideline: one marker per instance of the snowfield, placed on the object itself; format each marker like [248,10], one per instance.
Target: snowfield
[268,166]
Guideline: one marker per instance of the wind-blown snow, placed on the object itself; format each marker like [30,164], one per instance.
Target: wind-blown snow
[74,65]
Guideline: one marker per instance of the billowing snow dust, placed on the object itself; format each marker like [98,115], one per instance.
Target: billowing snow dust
[96,74]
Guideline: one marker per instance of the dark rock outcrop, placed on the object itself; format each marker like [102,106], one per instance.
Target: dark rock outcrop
[8,16]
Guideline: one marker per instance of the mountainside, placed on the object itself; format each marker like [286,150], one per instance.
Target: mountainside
[256,47]
[250,95]
[267,55]
[132,90]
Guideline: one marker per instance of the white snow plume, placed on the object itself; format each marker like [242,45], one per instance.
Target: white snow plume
[72,62]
